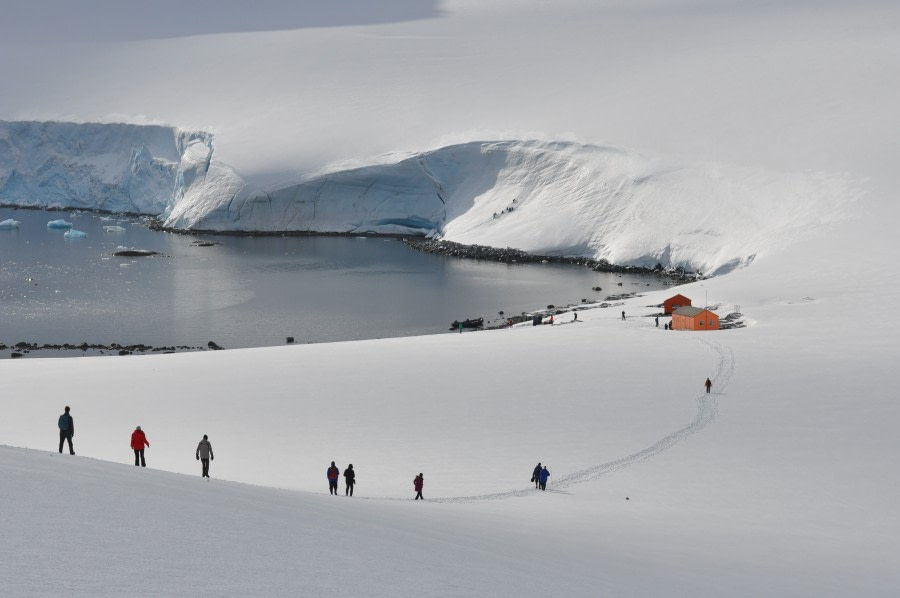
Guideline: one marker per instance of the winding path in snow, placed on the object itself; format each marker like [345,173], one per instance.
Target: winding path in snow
[707,408]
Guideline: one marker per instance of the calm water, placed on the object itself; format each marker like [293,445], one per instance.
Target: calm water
[253,291]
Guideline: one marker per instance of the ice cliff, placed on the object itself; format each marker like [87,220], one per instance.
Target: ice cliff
[542,197]
[114,167]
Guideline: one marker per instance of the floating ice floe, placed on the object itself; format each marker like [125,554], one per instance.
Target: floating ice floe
[9,224]
[59,224]
[75,234]
[114,229]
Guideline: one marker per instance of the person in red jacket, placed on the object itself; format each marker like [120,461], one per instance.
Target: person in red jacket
[417,484]
[333,473]
[138,442]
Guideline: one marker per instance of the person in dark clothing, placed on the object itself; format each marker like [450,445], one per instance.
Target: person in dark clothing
[205,454]
[349,480]
[66,430]
[708,385]
[576,317]
[138,442]
[657,321]
[536,476]
[418,484]
[545,473]
[666,326]
[623,315]
[333,473]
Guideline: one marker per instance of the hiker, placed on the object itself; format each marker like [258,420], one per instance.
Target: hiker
[536,476]
[138,441]
[460,327]
[545,473]
[66,430]
[667,326]
[417,484]
[657,321]
[708,385]
[551,320]
[205,454]
[623,315]
[349,479]
[333,473]
[576,317]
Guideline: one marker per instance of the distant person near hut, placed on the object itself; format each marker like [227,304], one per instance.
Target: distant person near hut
[657,321]
[205,454]
[708,385]
[66,430]
[349,480]
[138,443]
[332,473]
[418,484]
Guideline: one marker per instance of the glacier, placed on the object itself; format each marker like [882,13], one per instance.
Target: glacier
[544,197]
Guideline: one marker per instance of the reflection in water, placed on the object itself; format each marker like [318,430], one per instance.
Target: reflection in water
[255,291]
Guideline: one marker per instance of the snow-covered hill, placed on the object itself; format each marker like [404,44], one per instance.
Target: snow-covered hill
[544,198]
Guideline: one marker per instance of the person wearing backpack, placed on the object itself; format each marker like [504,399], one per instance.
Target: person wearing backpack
[205,454]
[333,473]
[66,430]
[536,476]
[138,441]
[349,480]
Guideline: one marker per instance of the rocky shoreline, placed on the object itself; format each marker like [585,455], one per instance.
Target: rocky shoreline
[517,256]
[21,349]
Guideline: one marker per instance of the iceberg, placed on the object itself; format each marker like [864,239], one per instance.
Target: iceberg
[114,229]
[9,224]
[59,224]
[75,234]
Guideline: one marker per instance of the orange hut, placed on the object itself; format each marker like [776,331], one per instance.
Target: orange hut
[673,303]
[694,318]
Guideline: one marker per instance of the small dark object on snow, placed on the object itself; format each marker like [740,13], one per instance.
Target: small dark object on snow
[290,340]
[626,498]
[15,355]
[124,352]
[213,346]
[470,323]
[135,253]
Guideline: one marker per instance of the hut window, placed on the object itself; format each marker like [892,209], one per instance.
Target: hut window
[701,322]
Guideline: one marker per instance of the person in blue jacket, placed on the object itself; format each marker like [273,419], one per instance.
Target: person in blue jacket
[545,473]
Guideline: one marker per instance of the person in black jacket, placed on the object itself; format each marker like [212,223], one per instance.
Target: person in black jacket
[536,475]
[66,430]
[349,479]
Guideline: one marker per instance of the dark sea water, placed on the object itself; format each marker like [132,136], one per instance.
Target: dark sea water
[253,291]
